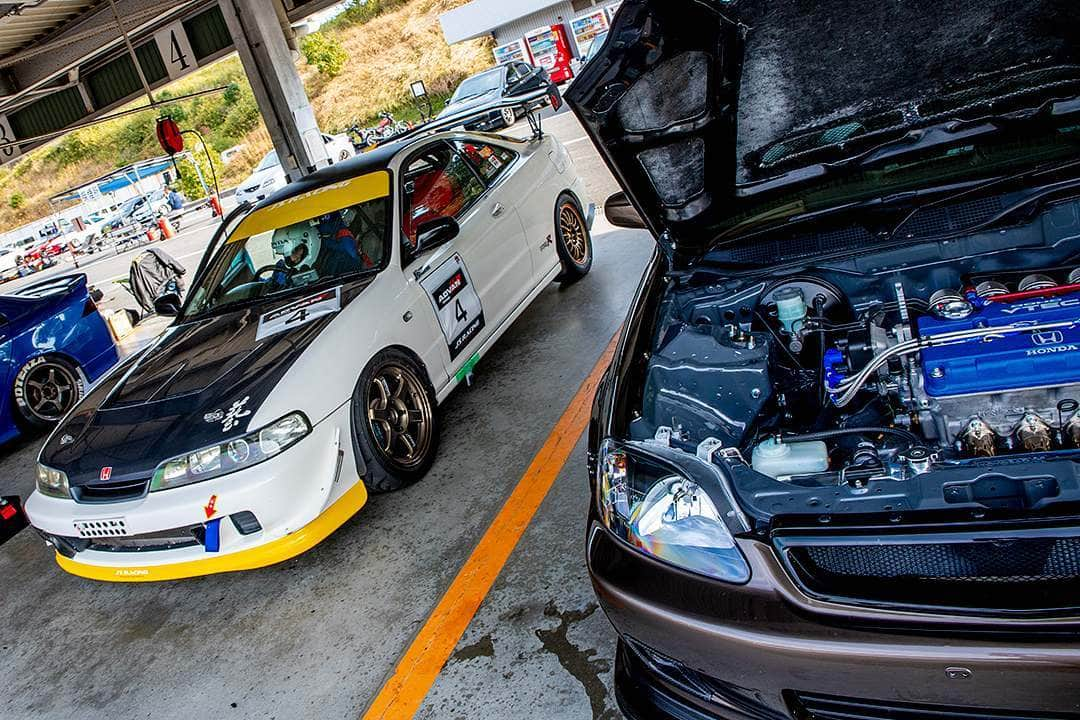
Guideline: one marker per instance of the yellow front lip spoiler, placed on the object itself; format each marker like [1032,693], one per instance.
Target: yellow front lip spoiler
[271,553]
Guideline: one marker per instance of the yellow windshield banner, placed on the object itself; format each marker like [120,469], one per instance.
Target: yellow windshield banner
[314,203]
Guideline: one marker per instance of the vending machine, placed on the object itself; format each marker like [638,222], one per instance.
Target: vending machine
[586,27]
[550,49]
[512,51]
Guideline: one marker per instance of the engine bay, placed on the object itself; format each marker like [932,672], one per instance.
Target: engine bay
[830,378]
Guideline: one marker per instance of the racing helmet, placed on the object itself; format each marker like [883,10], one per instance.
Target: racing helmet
[286,239]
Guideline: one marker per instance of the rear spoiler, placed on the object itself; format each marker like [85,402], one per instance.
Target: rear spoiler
[530,103]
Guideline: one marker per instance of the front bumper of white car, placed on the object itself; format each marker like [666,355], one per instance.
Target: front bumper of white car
[252,196]
[248,519]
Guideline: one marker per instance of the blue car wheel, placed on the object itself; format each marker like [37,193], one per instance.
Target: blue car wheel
[45,389]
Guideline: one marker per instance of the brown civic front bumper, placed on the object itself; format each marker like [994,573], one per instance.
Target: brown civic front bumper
[757,650]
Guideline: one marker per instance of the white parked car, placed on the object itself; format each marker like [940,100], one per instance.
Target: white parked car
[9,266]
[305,368]
[269,177]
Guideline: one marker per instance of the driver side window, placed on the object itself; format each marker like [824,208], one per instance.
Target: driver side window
[438,182]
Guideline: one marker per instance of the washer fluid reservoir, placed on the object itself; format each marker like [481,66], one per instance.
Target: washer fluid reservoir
[777,459]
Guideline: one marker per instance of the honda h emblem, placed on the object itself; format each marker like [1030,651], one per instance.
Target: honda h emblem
[106,473]
[1050,337]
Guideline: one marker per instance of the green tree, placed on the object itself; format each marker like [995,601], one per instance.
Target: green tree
[324,52]
[17,200]
[188,183]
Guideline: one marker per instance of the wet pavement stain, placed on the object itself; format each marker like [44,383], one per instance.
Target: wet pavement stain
[481,648]
[586,669]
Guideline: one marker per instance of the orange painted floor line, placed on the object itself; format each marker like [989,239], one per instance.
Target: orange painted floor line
[405,690]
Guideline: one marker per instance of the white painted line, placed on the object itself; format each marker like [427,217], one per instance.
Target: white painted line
[576,140]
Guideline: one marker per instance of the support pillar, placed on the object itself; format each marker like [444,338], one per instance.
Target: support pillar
[283,102]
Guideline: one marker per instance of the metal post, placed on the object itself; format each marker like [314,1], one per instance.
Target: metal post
[198,174]
[270,67]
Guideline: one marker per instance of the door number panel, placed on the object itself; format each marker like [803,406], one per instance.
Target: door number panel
[456,303]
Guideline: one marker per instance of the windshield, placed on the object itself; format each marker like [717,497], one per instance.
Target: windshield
[597,43]
[478,85]
[275,262]
[269,160]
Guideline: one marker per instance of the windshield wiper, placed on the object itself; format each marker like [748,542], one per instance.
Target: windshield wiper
[887,143]
[1040,194]
[463,98]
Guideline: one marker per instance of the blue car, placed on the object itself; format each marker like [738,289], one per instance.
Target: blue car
[53,342]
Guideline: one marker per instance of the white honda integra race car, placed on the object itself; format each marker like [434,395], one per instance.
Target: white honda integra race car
[305,366]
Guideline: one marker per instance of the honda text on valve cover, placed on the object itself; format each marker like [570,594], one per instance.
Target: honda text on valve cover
[305,366]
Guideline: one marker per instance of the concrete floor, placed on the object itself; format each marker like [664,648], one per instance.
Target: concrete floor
[317,635]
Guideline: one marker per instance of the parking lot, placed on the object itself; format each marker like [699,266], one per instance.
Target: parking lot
[748,388]
[316,636]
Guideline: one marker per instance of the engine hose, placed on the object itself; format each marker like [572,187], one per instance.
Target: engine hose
[910,437]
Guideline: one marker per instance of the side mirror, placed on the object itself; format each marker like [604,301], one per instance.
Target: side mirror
[167,304]
[433,233]
[620,212]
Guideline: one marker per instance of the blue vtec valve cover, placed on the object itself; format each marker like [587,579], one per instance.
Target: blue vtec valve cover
[1007,362]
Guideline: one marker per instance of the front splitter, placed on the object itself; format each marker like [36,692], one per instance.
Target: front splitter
[271,553]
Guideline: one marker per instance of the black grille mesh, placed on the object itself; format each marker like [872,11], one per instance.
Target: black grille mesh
[110,492]
[809,706]
[1016,561]
[1015,574]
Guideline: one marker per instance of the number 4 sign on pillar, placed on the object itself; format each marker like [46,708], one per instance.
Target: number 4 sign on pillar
[7,152]
[175,49]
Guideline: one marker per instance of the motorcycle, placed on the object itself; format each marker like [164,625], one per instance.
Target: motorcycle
[387,129]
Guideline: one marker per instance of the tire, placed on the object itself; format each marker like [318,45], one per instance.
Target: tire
[394,386]
[509,117]
[45,389]
[573,241]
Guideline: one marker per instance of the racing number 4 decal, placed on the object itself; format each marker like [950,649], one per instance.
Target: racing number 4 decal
[461,316]
[299,312]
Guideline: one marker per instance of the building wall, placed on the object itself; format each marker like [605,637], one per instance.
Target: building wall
[517,29]
[563,12]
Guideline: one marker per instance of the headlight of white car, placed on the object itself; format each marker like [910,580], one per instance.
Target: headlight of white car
[665,515]
[53,483]
[232,455]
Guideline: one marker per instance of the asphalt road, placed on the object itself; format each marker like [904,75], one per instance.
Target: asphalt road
[316,636]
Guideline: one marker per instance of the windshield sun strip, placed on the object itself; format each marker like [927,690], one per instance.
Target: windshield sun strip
[314,203]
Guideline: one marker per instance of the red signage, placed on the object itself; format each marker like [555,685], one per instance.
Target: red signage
[168,134]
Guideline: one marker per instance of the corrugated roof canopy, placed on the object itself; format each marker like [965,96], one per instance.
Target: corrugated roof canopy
[23,23]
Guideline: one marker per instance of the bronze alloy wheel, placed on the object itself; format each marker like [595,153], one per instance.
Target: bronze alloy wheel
[573,230]
[400,415]
[50,390]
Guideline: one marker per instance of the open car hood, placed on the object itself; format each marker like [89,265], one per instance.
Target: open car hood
[691,102]
[659,101]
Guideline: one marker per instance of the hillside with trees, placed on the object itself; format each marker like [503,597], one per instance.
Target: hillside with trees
[356,65]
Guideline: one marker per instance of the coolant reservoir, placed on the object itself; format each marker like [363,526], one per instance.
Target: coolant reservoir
[781,458]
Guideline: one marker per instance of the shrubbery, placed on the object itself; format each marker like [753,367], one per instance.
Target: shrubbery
[324,52]
[359,12]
